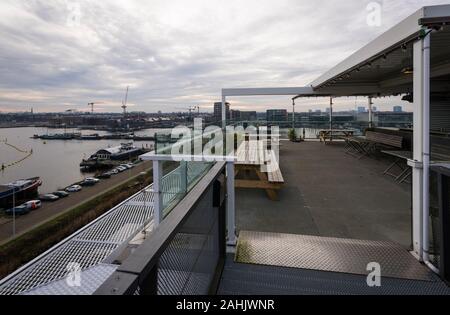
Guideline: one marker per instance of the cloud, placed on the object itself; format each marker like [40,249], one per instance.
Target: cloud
[174,53]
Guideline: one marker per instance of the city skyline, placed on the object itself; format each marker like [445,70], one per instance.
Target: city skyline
[59,55]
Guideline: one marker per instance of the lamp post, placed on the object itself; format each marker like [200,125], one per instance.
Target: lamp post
[293,114]
[370,112]
[14,212]
[331,118]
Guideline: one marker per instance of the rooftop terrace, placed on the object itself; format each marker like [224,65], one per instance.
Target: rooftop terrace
[332,194]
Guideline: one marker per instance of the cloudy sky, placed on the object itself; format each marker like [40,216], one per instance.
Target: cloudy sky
[57,55]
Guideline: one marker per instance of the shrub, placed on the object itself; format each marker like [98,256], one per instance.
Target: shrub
[292,135]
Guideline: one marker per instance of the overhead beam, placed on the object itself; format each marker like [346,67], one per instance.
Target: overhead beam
[268,91]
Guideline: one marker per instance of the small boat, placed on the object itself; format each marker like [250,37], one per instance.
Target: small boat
[59,136]
[95,136]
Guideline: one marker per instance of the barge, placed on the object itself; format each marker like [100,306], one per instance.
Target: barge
[19,191]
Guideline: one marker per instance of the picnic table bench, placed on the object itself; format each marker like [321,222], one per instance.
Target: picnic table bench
[370,143]
[327,134]
[401,163]
[438,153]
[253,157]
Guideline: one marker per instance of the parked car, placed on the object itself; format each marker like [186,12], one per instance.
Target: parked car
[127,166]
[92,179]
[89,182]
[105,175]
[114,172]
[49,197]
[61,194]
[74,188]
[20,210]
[33,204]
[121,169]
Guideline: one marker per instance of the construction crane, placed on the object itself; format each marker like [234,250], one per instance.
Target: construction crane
[93,104]
[125,103]
[193,109]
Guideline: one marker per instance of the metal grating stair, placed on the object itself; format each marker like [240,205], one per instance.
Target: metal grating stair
[247,279]
[328,254]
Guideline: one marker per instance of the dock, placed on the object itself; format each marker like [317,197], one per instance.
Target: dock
[93,137]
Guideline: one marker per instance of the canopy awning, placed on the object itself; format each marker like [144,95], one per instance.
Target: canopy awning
[385,66]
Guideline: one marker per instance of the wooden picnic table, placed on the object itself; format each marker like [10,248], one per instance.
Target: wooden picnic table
[253,156]
[327,134]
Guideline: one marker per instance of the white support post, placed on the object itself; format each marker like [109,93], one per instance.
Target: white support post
[231,206]
[224,112]
[157,188]
[331,119]
[183,175]
[417,163]
[370,112]
[426,146]
[293,114]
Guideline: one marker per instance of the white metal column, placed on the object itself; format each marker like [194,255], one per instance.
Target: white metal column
[370,112]
[184,177]
[420,94]
[426,151]
[331,118]
[157,188]
[231,205]
[224,112]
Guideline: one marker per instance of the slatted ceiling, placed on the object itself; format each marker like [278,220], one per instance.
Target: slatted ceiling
[440,48]
[99,240]
[440,115]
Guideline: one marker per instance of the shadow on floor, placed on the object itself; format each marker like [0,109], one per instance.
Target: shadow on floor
[329,193]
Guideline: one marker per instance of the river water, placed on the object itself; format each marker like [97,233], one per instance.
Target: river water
[55,162]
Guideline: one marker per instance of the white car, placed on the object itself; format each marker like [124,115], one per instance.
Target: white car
[130,165]
[33,204]
[74,188]
[121,169]
[92,179]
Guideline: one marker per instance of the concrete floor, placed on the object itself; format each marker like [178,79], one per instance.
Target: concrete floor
[330,193]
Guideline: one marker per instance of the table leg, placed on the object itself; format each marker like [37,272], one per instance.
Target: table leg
[272,194]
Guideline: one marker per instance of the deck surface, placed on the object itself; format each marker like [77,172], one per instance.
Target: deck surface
[329,254]
[329,193]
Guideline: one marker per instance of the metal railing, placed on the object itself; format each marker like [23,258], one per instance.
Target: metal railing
[186,252]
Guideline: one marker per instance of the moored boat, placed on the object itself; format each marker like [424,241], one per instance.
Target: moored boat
[19,190]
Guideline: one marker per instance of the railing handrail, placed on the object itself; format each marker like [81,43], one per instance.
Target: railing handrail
[140,264]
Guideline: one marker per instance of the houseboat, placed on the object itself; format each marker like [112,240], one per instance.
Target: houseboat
[110,157]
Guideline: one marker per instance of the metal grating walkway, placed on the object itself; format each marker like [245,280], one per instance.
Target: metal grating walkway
[246,279]
[95,243]
[328,254]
